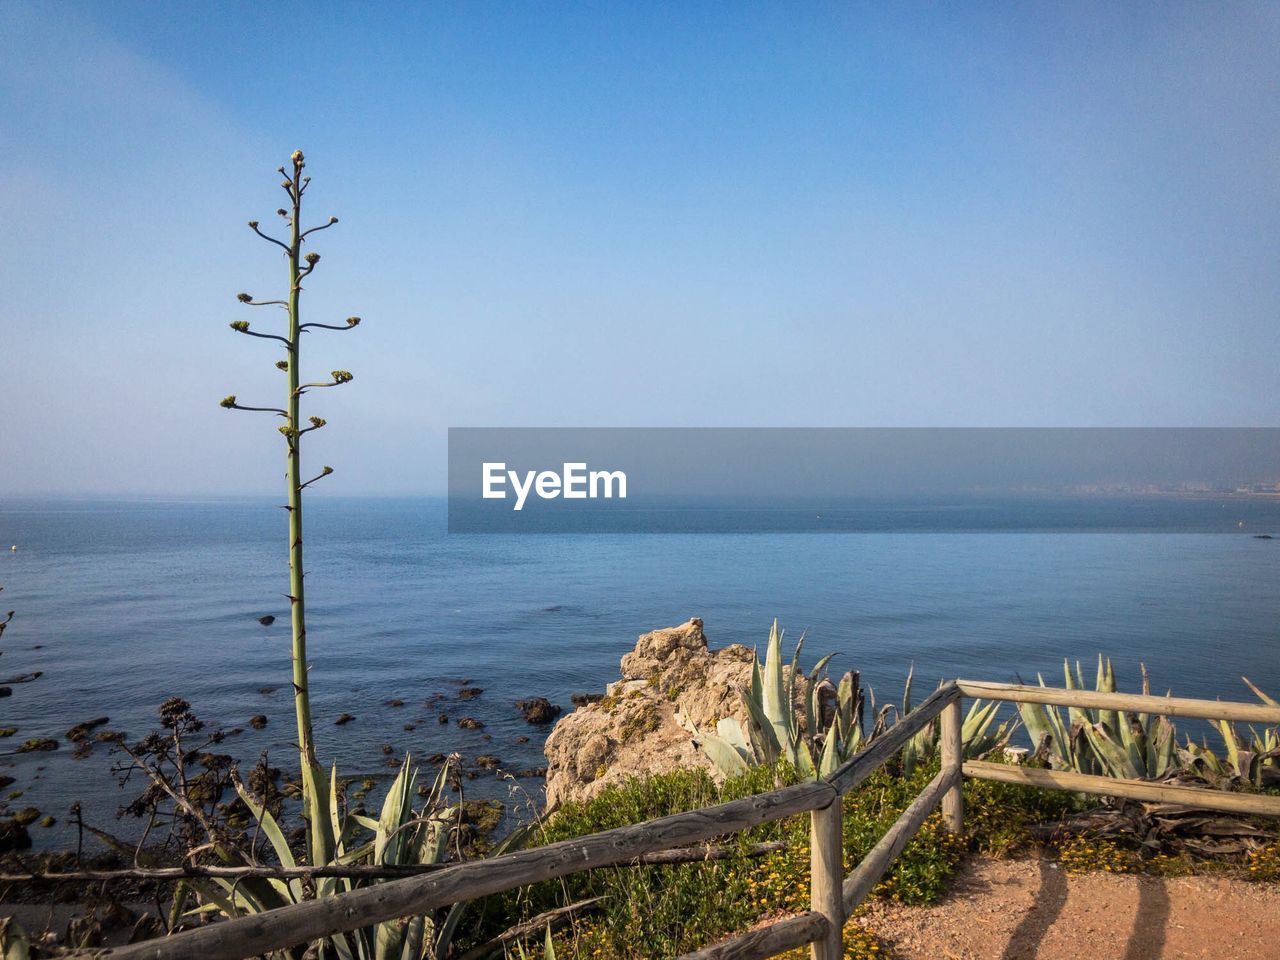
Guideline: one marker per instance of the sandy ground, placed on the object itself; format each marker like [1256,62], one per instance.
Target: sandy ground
[1009,910]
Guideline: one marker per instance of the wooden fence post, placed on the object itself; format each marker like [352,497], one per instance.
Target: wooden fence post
[952,759]
[826,875]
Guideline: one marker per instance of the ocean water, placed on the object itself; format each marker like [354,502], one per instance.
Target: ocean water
[125,603]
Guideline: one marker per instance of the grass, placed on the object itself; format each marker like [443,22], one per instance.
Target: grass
[663,911]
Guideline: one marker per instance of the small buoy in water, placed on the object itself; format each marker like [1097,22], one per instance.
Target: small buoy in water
[14,548]
[1239,523]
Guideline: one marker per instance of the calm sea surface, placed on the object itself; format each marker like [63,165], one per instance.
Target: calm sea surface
[123,604]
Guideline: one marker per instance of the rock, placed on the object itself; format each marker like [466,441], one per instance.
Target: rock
[26,815]
[410,727]
[466,723]
[6,781]
[1263,536]
[47,821]
[13,836]
[258,721]
[582,699]
[538,710]
[479,818]
[436,759]
[470,693]
[522,739]
[488,761]
[6,691]
[38,743]
[394,702]
[387,748]
[81,730]
[343,719]
[7,731]
[672,685]
[266,691]
[267,621]
[443,718]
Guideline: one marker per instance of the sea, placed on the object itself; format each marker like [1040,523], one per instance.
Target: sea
[120,604]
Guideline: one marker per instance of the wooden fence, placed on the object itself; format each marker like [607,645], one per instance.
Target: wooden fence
[833,896]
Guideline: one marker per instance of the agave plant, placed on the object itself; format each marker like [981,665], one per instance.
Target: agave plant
[828,727]
[776,730]
[979,732]
[1132,746]
[400,836]
[1254,761]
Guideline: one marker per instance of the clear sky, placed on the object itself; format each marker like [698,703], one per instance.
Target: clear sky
[627,214]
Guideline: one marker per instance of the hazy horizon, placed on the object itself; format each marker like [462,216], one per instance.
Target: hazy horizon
[836,215]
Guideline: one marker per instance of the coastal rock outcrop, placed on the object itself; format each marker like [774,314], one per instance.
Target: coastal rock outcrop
[672,684]
[538,710]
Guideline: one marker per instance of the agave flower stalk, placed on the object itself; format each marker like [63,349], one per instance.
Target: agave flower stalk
[315,786]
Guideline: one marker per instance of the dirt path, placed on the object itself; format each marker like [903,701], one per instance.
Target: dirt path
[1023,909]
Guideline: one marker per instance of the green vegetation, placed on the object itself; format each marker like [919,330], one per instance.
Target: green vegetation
[662,911]
[815,726]
[1136,746]
[400,836]
[1101,742]
[1264,863]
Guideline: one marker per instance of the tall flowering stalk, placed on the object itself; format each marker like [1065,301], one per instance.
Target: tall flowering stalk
[315,785]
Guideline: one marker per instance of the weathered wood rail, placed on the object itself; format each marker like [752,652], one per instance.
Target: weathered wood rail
[833,897]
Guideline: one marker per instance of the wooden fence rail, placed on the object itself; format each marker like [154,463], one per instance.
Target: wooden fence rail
[832,897]
[1127,702]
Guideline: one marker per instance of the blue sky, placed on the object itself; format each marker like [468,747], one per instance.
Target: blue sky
[628,214]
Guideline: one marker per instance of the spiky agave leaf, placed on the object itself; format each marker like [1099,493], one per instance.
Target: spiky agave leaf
[1038,727]
[817,677]
[1162,757]
[1270,701]
[730,730]
[723,754]
[764,741]
[1114,757]
[777,703]
[976,735]
[846,707]
[1077,715]
[804,761]
[291,889]
[831,753]
[391,837]
[1106,683]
